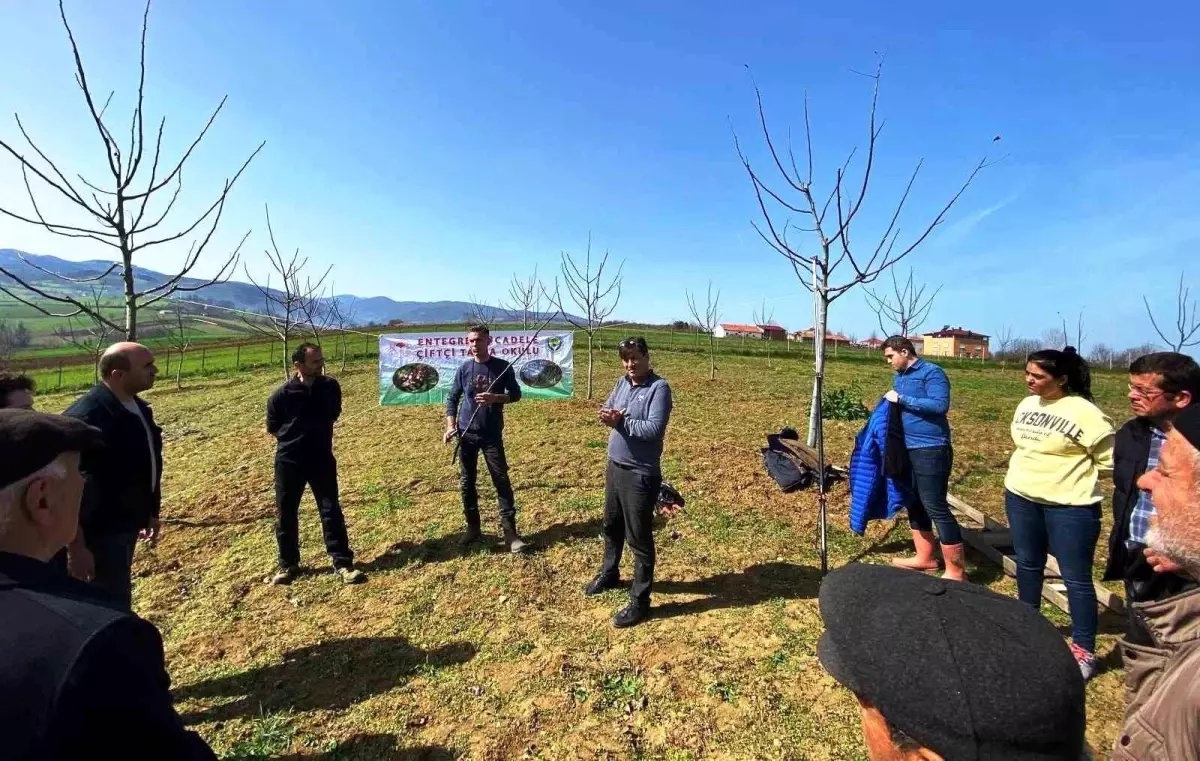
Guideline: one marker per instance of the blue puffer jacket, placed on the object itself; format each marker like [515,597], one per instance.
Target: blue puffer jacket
[874,496]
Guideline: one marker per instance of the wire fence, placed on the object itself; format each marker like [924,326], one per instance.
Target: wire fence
[223,358]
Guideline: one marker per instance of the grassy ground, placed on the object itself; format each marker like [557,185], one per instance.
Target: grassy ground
[485,655]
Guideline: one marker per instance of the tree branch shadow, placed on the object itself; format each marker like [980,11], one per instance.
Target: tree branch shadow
[375,747]
[330,675]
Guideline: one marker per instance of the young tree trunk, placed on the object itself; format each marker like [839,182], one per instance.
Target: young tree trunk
[821,317]
[179,372]
[712,358]
[589,383]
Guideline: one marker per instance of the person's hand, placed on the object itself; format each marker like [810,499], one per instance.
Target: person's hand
[487,397]
[152,532]
[449,435]
[892,396]
[611,418]
[1161,563]
[80,563]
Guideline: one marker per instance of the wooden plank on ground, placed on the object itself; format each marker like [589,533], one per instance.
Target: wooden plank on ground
[996,533]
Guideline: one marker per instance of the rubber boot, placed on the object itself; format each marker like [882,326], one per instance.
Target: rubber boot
[926,557]
[511,540]
[473,534]
[956,567]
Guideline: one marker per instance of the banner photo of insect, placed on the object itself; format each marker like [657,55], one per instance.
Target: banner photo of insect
[418,368]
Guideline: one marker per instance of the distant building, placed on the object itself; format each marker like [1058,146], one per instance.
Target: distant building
[872,343]
[955,342]
[918,343]
[767,332]
[832,338]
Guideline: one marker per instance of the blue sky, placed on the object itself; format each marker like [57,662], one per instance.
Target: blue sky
[429,150]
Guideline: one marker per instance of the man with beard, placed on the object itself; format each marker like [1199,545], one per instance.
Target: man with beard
[1162,678]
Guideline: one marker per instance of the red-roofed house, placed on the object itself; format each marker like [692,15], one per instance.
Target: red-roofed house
[732,330]
[872,343]
[955,342]
[832,338]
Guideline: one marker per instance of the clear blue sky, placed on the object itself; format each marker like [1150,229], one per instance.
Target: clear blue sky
[431,149]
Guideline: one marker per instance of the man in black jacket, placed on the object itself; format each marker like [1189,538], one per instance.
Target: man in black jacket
[475,414]
[122,497]
[80,677]
[300,415]
[1161,385]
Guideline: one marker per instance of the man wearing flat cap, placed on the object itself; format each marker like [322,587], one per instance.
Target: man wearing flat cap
[1162,678]
[80,677]
[948,670]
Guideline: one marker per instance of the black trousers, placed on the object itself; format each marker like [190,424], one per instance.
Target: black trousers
[629,499]
[290,480]
[497,465]
[112,558]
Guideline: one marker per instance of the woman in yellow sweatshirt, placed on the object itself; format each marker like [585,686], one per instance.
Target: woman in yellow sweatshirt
[1052,491]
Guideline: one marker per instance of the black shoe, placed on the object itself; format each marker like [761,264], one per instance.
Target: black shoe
[631,615]
[601,584]
[511,539]
[473,535]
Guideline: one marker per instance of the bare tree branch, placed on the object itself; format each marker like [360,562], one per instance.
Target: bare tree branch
[118,222]
[287,309]
[523,297]
[905,309]
[707,321]
[1187,320]
[817,269]
[590,293]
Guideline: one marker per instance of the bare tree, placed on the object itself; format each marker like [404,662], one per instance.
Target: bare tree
[707,321]
[763,317]
[906,308]
[342,314]
[815,265]
[119,221]
[1103,354]
[524,296]
[1004,342]
[179,336]
[1079,334]
[1023,347]
[87,332]
[482,313]
[1187,321]
[286,310]
[590,293]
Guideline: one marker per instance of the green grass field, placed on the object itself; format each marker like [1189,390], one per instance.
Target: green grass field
[484,655]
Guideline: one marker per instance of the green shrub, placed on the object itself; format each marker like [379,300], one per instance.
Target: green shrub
[841,404]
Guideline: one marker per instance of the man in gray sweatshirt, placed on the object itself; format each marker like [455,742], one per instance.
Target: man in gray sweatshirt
[637,411]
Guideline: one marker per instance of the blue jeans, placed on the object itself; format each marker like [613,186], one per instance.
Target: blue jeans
[1070,534]
[931,481]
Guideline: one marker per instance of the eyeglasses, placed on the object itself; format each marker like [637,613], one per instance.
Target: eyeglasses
[1152,393]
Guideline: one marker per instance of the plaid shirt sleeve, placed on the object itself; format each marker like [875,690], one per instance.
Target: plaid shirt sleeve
[1139,519]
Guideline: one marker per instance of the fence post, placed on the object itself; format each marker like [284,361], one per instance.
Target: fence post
[168,359]
[203,354]
[59,377]
[237,357]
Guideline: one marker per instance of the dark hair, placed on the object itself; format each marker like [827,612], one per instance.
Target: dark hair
[11,383]
[899,343]
[626,347]
[110,363]
[1066,364]
[479,328]
[1179,372]
[301,352]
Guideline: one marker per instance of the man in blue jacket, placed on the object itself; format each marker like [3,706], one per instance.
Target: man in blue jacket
[923,392]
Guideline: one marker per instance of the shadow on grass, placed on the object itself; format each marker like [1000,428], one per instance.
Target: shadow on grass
[446,548]
[330,675]
[375,747]
[756,584]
